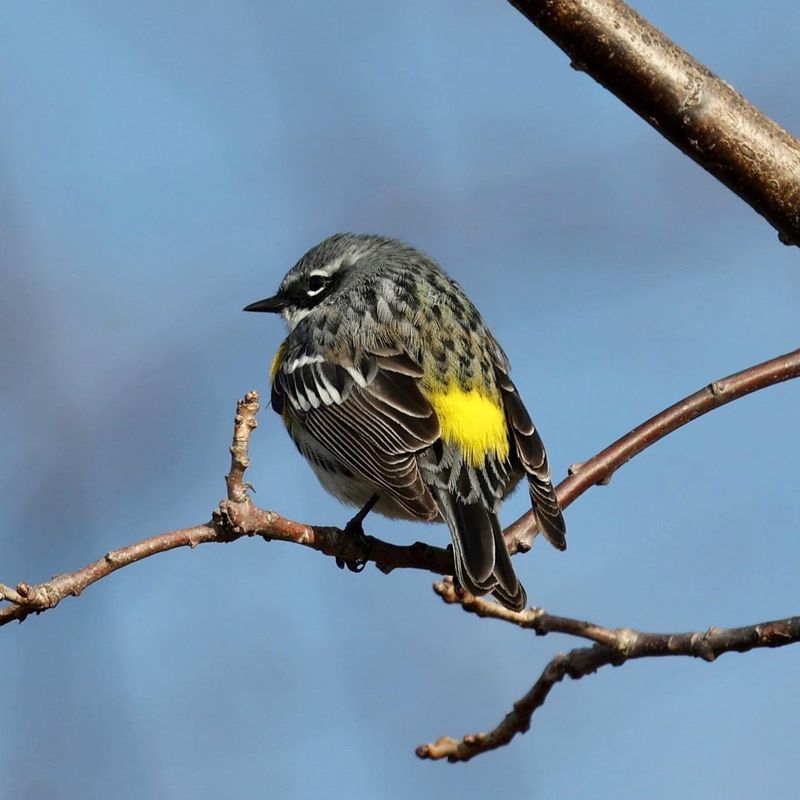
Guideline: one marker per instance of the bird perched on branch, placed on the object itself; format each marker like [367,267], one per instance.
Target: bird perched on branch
[396,392]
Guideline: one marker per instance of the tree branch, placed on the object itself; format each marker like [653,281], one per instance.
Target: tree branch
[600,468]
[237,516]
[682,99]
[613,646]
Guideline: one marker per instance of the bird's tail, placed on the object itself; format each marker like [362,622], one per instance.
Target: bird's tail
[481,557]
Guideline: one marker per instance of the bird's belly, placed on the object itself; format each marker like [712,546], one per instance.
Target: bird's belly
[357,491]
[352,489]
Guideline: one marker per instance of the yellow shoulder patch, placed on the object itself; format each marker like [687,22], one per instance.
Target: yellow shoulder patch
[276,361]
[473,421]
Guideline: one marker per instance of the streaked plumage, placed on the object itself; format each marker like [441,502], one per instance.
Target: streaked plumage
[390,384]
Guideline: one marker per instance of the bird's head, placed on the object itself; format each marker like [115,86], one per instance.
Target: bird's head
[345,269]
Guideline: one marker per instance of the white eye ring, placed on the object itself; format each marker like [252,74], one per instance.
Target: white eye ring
[316,283]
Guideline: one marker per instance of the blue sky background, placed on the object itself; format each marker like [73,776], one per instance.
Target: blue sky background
[162,165]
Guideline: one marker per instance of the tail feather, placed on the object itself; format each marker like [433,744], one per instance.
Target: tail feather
[509,591]
[482,562]
[548,512]
[533,458]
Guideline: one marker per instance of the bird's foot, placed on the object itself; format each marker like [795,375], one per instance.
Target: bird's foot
[459,589]
[363,543]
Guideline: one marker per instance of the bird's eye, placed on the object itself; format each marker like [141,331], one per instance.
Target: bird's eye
[316,283]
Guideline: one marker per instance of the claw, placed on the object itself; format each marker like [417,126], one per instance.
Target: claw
[355,565]
[355,530]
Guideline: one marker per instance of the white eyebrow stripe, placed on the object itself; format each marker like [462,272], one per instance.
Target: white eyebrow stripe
[335,264]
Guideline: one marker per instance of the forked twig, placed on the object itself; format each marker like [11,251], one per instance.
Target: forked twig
[237,516]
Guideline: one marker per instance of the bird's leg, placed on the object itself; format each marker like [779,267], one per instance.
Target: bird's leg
[355,529]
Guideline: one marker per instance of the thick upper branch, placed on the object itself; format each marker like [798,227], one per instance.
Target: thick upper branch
[682,99]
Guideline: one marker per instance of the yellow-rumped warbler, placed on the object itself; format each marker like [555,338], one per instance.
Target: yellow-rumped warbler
[393,388]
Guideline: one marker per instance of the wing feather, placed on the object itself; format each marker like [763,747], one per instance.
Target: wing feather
[370,415]
[533,459]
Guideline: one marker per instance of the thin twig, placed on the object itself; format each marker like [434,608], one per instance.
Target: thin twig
[237,516]
[682,99]
[244,424]
[534,619]
[599,469]
[614,646]
[29,598]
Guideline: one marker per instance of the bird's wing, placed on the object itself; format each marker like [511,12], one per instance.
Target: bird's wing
[530,451]
[371,415]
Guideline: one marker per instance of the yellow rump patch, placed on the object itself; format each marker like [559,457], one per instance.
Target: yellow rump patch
[276,362]
[472,421]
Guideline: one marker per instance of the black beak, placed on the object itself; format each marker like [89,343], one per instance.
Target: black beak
[271,304]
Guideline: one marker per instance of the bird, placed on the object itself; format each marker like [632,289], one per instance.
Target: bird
[394,389]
